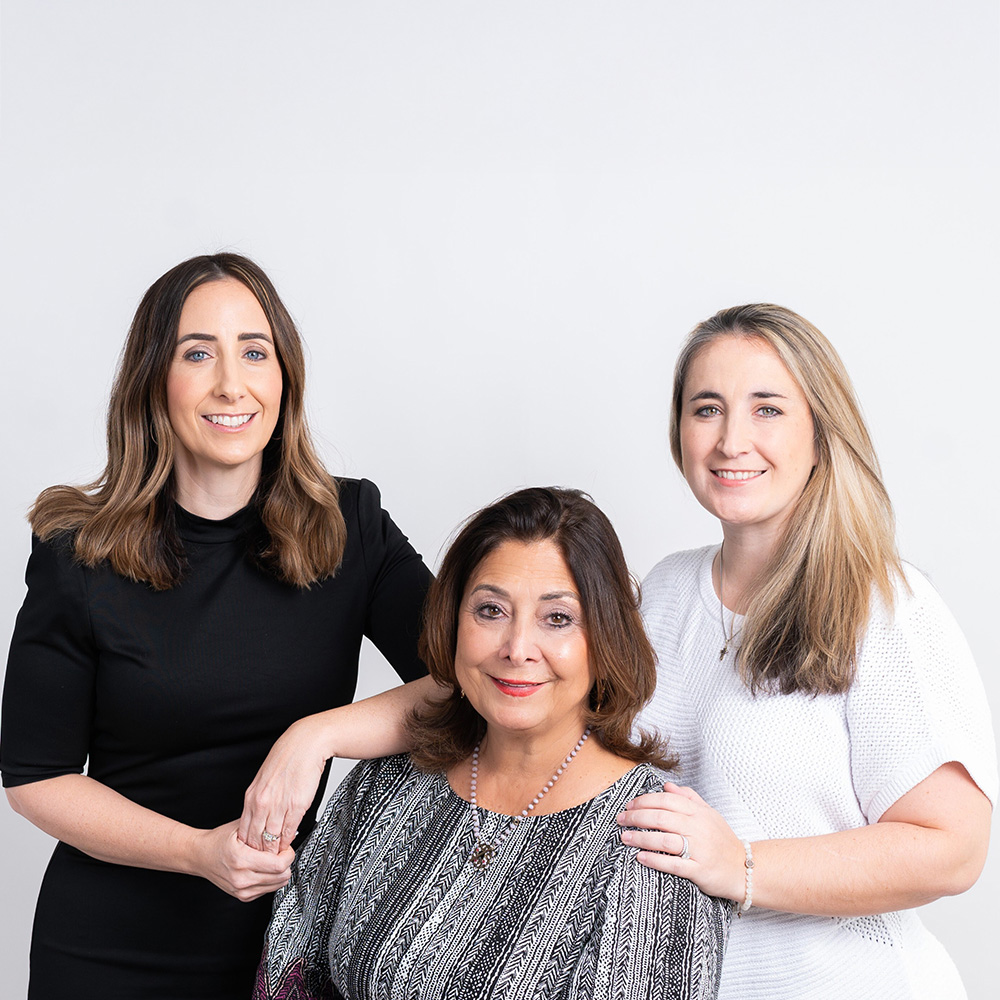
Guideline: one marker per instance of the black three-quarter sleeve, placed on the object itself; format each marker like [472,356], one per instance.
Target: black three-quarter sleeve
[48,698]
[397,584]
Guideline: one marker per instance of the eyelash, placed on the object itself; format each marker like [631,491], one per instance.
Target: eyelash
[704,411]
[488,611]
[193,355]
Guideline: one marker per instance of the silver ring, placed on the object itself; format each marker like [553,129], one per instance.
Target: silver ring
[685,849]
[270,837]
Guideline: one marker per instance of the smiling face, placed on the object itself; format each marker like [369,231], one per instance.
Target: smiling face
[223,384]
[521,655]
[746,433]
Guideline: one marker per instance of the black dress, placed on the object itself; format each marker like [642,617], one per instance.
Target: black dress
[176,697]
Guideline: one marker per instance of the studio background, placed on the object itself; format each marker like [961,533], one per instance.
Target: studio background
[494,223]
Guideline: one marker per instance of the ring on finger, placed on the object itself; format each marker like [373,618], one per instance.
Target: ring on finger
[685,852]
[270,837]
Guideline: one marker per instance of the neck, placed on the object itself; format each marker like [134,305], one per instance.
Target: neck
[745,554]
[529,754]
[214,492]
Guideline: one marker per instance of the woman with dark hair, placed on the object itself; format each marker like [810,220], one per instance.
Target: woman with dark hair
[210,588]
[487,863]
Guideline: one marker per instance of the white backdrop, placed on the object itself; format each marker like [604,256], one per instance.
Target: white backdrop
[494,223]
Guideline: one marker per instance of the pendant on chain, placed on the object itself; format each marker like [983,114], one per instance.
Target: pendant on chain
[482,855]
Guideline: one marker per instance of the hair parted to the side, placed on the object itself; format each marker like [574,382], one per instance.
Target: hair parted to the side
[811,605]
[126,516]
[445,732]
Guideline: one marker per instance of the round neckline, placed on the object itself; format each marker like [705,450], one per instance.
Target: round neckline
[195,528]
[533,816]
[707,589]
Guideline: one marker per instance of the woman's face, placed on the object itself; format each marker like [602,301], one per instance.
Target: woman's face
[224,382]
[521,656]
[747,437]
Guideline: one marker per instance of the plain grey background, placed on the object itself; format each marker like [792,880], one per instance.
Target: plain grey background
[494,223]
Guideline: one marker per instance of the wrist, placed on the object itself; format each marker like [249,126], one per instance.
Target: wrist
[745,900]
[319,733]
[192,851]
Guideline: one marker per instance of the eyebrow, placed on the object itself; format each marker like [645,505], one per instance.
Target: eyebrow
[214,339]
[712,394]
[554,595]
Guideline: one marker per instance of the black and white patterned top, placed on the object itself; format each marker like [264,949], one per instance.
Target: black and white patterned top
[384,903]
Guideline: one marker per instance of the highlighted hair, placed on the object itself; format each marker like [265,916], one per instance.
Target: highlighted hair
[126,516]
[837,553]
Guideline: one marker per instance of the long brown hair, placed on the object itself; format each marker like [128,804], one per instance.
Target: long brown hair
[837,553]
[624,664]
[126,516]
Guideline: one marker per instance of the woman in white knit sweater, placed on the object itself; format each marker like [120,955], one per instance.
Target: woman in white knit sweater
[820,695]
[818,692]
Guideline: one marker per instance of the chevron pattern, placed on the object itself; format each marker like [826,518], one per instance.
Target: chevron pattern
[384,904]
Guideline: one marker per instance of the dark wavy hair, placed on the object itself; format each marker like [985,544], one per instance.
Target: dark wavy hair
[445,732]
[126,516]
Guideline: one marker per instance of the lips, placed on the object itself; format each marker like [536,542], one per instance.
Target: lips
[516,689]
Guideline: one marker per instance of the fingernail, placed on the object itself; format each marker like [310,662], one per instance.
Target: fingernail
[626,836]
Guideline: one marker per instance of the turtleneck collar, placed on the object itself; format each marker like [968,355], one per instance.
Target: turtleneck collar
[193,528]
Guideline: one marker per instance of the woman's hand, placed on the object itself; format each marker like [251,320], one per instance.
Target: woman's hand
[716,855]
[285,786]
[237,869]
[287,781]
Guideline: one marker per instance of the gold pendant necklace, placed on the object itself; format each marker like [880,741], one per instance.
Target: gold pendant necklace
[727,640]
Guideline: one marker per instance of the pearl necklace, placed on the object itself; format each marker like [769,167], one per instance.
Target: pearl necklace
[483,852]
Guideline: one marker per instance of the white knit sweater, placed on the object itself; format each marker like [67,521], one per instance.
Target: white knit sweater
[797,766]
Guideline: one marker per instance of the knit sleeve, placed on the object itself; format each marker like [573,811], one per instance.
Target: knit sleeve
[295,962]
[661,938]
[917,703]
[48,698]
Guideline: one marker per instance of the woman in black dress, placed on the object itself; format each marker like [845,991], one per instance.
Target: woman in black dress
[208,590]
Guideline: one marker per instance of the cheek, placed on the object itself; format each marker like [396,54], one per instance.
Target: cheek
[179,398]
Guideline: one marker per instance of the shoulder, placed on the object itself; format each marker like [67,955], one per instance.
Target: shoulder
[683,915]
[677,568]
[672,583]
[53,563]
[917,700]
[357,496]
[918,619]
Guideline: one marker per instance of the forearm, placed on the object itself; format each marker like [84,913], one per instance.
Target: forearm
[373,727]
[873,869]
[100,822]
[287,780]
[931,842]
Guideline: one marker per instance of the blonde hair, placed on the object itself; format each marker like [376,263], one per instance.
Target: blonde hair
[126,516]
[811,604]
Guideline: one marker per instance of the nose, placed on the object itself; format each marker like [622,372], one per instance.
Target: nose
[734,439]
[519,645]
[230,383]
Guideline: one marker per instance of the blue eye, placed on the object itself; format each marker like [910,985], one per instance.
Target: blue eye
[255,354]
[197,355]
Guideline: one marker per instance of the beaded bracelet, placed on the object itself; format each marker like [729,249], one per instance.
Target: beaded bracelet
[742,908]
